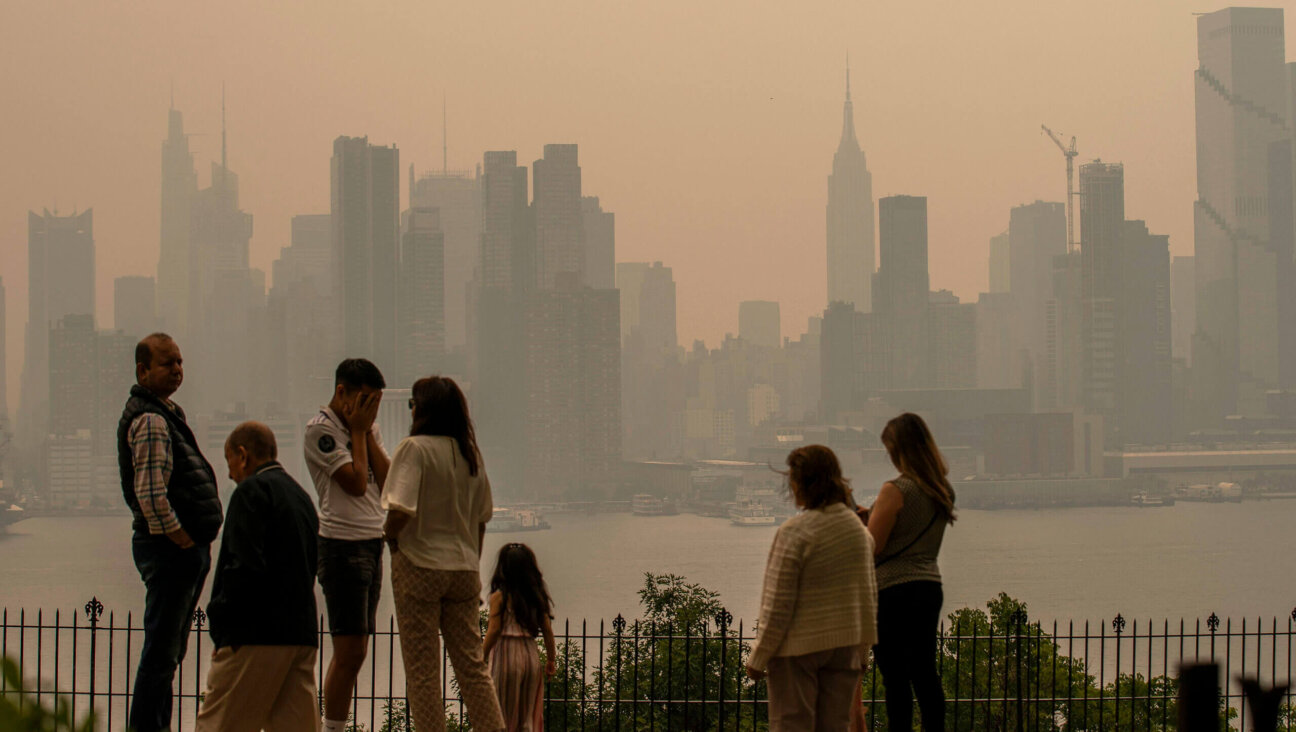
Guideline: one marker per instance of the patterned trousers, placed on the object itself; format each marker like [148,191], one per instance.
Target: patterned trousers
[428,600]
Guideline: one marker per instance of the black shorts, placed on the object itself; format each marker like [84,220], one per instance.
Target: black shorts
[350,573]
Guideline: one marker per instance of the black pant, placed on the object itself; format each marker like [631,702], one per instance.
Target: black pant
[908,615]
[173,580]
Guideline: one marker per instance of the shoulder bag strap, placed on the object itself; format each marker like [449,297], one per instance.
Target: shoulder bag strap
[907,547]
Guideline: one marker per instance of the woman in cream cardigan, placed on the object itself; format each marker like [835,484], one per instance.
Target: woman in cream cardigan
[818,616]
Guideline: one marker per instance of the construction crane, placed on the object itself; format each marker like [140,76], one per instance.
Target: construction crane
[1070,154]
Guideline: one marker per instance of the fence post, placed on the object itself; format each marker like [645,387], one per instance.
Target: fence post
[93,610]
[723,618]
[1118,625]
[1019,618]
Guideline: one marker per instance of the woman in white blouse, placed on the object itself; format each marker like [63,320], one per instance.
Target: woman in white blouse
[438,501]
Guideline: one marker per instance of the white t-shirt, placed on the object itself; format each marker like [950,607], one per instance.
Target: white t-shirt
[430,479]
[342,515]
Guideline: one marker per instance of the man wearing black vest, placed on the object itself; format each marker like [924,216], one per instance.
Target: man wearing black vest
[171,489]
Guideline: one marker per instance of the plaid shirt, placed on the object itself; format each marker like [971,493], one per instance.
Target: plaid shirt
[150,443]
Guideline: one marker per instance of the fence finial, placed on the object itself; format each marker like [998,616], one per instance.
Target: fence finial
[723,618]
[1213,622]
[1118,624]
[619,625]
[199,618]
[94,609]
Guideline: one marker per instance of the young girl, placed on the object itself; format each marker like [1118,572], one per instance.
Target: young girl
[519,611]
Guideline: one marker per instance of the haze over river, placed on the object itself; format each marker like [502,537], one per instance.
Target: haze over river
[1187,560]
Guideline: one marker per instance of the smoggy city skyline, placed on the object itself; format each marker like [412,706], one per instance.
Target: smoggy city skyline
[708,130]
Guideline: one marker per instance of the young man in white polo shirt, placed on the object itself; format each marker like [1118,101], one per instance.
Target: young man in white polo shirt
[346,459]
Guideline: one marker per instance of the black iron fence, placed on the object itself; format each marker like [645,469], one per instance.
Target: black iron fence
[1000,671]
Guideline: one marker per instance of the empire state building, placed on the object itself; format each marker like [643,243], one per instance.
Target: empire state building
[850,219]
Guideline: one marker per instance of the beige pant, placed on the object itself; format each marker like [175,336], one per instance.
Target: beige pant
[814,692]
[428,600]
[261,687]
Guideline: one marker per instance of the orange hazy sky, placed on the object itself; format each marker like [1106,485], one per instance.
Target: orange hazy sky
[707,127]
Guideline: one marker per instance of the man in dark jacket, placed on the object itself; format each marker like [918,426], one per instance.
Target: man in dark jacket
[171,489]
[262,608]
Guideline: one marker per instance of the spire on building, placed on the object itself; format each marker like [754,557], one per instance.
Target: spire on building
[848,141]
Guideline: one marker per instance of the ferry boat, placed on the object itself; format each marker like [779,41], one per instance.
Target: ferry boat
[752,514]
[521,519]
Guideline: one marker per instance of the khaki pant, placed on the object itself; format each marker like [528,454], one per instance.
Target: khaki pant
[814,692]
[428,600]
[261,687]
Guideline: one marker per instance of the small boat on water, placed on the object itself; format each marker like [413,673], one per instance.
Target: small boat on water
[521,519]
[12,515]
[752,514]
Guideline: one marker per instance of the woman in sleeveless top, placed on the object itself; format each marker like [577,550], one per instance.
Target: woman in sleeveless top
[908,522]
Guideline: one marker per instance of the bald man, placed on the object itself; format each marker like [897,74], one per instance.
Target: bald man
[262,609]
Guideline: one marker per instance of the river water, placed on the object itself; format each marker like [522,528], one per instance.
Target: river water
[1188,561]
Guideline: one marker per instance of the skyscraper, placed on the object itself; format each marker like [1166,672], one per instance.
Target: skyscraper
[1146,409]
[1183,307]
[365,207]
[559,224]
[855,360]
[1000,263]
[72,363]
[457,196]
[600,244]
[497,333]
[759,324]
[60,282]
[573,391]
[422,296]
[652,379]
[1036,234]
[648,305]
[304,343]
[114,375]
[1102,226]
[1241,102]
[902,289]
[1063,374]
[223,290]
[850,218]
[179,186]
[135,305]
[953,349]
